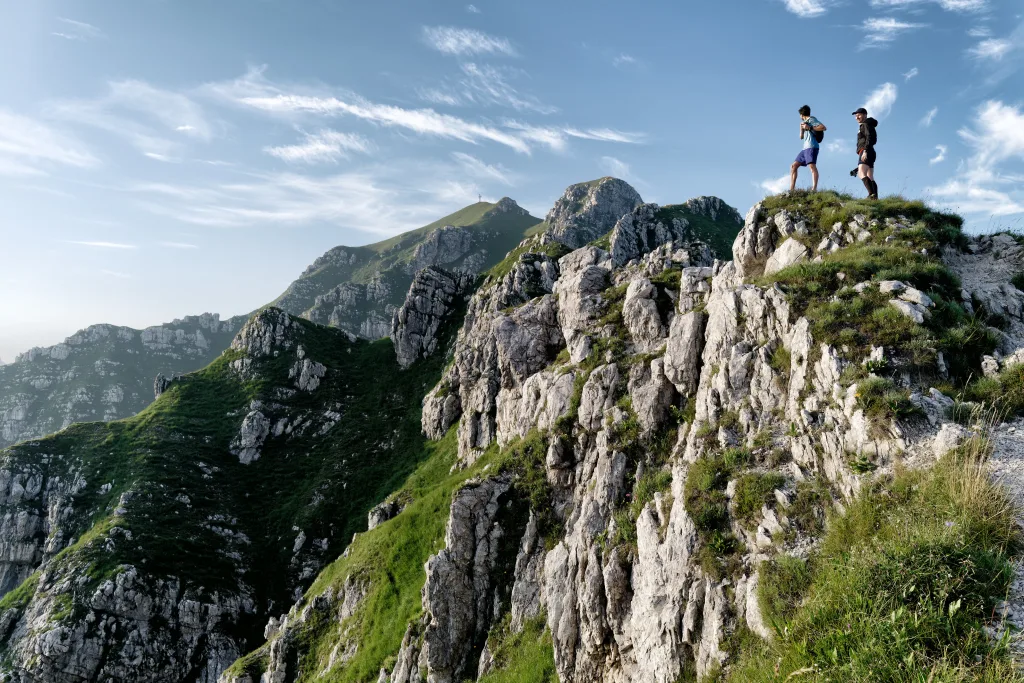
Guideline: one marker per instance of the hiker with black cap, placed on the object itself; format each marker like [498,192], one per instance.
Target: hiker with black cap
[866,139]
[812,131]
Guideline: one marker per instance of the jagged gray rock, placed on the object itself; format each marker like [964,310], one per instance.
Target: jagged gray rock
[587,211]
[432,296]
[639,232]
[457,595]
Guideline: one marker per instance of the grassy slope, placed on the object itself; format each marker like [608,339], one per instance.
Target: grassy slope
[900,586]
[503,232]
[179,447]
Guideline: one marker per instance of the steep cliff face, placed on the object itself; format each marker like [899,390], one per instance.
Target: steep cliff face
[638,429]
[155,548]
[102,373]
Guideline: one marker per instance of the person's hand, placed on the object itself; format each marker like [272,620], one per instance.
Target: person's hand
[864,155]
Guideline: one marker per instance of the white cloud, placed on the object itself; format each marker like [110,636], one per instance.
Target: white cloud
[472,9]
[466,41]
[982,186]
[948,5]
[142,114]
[102,245]
[178,245]
[557,137]
[28,147]
[436,96]
[968,197]
[838,146]
[999,135]
[879,102]
[624,59]
[77,30]
[483,171]
[422,121]
[255,91]
[879,32]
[910,74]
[155,156]
[926,120]
[807,8]
[940,155]
[325,146]
[488,85]
[992,49]
[780,184]
[980,32]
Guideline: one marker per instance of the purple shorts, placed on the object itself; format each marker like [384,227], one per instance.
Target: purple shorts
[807,156]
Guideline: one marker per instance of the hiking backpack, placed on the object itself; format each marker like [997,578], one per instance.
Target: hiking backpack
[819,135]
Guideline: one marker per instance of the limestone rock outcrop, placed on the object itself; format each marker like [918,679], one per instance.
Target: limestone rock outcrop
[433,295]
[587,211]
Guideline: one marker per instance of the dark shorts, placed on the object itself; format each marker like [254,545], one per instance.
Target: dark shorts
[868,159]
[807,156]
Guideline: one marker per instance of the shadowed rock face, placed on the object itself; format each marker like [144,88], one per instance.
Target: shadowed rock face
[432,297]
[587,211]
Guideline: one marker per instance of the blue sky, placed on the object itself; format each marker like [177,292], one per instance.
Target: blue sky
[160,158]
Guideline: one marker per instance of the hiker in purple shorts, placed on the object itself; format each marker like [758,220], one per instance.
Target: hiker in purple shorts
[808,156]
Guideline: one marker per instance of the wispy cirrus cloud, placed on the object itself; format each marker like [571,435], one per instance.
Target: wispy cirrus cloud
[472,9]
[452,40]
[256,92]
[151,119]
[102,245]
[940,155]
[991,49]
[982,186]
[488,85]
[421,121]
[325,146]
[29,147]
[880,32]
[77,30]
[926,120]
[979,32]
[483,171]
[179,245]
[910,74]
[948,5]
[624,60]
[879,103]
[557,137]
[807,9]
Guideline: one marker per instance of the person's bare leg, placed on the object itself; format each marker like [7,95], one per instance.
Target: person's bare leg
[793,170]
[814,177]
[862,173]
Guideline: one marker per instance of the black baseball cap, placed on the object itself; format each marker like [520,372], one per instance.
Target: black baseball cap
[861,110]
